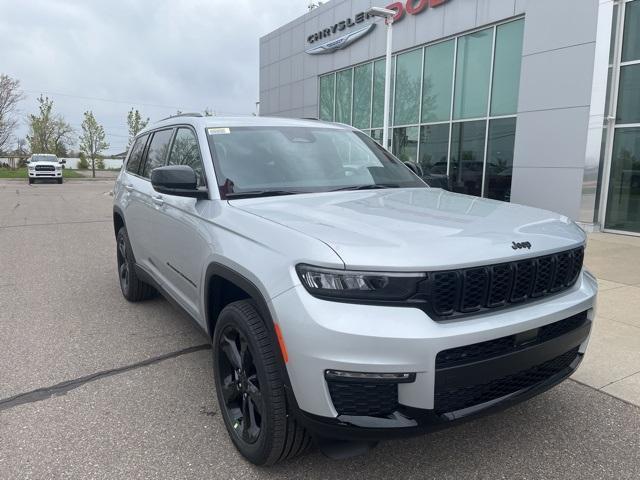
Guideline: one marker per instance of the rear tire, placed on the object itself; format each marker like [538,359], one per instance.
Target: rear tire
[250,390]
[133,289]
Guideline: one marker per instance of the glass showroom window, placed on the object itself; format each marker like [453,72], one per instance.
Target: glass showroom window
[407,88]
[437,83]
[327,96]
[473,74]
[362,88]
[623,200]
[344,89]
[453,107]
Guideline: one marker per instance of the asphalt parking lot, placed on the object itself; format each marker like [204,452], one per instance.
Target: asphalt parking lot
[94,387]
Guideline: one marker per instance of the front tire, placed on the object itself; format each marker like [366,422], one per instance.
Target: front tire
[250,389]
[60,181]
[133,289]
[30,181]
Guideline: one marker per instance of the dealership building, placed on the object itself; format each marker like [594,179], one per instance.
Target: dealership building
[530,101]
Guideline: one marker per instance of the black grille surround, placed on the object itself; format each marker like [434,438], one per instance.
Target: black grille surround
[45,168]
[458,293]
[505,345]
[364,398]
[455,399]
[471,375]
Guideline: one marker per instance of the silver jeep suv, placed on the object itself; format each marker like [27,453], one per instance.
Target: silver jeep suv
[345,299]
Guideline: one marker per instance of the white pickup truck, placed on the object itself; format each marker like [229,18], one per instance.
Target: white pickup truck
[44,165]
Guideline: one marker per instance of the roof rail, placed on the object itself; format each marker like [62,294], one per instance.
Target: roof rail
[193,114]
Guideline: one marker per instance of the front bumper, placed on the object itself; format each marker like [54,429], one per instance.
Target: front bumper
[45,174]
[322,335]
[408,421]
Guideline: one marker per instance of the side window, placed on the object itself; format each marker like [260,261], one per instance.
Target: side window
[157,151]
[135,157]
[185,151]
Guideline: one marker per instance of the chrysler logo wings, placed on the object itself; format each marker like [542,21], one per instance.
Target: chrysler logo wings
[342,42]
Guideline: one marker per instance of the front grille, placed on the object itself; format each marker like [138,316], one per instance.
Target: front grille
[506,345]
[453,399]
[456,293]
[45,168]
[363,398]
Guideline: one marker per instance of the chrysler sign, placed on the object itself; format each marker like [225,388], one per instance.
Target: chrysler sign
[411,7]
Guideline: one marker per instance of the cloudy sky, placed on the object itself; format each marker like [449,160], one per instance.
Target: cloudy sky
[156,55]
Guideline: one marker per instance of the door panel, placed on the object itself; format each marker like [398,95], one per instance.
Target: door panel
[149,215]
[133,209]
[182,242]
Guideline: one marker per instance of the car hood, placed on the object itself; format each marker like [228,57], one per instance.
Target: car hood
[418,228]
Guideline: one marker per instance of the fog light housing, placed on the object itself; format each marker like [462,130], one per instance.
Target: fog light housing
[340,375]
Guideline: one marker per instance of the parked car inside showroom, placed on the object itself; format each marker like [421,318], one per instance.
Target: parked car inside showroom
[346,300]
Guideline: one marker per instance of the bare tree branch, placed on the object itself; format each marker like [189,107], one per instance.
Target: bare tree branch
[10,96]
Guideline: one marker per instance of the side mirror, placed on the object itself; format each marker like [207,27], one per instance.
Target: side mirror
[177,180]
[414,167]
[62,160]
[438,181]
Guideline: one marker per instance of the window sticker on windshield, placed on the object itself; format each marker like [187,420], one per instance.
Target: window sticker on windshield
[218,131]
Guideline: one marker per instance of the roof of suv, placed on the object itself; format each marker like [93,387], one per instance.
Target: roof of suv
[199,121]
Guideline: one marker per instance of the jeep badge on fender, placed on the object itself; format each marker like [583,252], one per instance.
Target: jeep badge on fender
[518,246]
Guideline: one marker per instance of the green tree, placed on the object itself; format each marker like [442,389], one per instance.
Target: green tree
[48,132]
[10,95]
[135,123]
[92,140]
[83,164]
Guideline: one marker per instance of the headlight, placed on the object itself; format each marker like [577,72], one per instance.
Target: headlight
[356,285]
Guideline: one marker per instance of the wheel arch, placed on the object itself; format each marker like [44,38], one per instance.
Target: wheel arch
[218,277]
[118,220]
[224,285]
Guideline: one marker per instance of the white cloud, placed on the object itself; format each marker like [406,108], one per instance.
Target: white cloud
[191,54]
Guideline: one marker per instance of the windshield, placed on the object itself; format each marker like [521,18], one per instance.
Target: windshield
[283,160]
[44,158]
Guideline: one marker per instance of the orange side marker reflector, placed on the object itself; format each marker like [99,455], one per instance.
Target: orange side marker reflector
[283,347]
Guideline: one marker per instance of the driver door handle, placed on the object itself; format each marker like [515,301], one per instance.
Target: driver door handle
[158,200]
[128,188]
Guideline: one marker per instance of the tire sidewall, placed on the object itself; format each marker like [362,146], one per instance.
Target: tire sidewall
[257,452]
[122,234]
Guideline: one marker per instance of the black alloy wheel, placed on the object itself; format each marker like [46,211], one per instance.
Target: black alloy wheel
[133,289]
[123,265]
[240,385]
[250,388]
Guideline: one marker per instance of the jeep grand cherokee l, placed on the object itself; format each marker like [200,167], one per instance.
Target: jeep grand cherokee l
[345,298]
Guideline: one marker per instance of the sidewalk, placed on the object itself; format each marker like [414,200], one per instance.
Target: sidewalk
[612,362]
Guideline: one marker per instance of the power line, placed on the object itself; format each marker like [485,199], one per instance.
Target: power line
[108,100]
[128,102]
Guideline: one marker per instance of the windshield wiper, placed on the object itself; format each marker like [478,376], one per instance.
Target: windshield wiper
[260,193]
[373,186]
